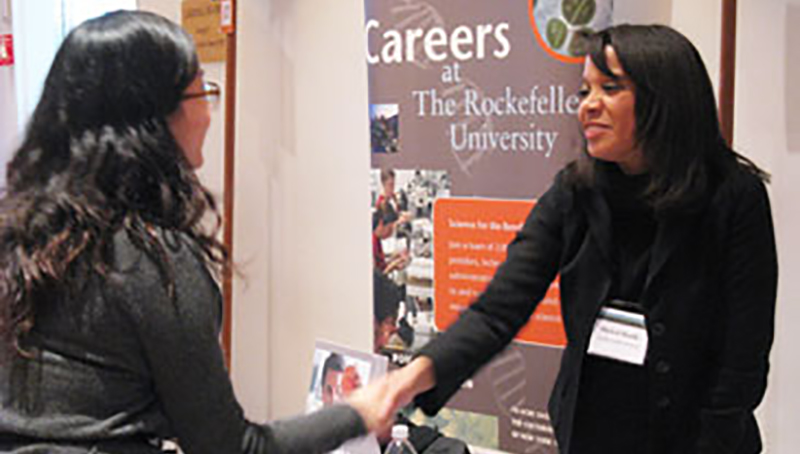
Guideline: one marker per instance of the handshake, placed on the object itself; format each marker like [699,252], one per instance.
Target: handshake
[379,401]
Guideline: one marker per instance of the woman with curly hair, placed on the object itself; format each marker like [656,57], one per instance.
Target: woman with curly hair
[109,311]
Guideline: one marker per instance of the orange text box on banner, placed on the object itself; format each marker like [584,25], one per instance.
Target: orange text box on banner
[470,237]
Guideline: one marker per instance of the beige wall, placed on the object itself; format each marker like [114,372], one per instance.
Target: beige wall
[168,8]
[701,22]
[260,122]
[302,199]
[639,12]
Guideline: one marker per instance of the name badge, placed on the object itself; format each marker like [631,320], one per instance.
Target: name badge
[619,334]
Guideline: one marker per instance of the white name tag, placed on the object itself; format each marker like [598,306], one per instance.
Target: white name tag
[619,335]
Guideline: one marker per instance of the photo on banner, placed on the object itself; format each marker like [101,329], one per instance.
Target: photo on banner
[337,371]
[472,112]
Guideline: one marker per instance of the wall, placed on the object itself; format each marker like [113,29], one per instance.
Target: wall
[302,193]
[43,35]
[701,22]
[261,118]
[21,84]
[639,12]
[170,9]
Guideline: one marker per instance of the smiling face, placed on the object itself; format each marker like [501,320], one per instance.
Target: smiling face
[606,113]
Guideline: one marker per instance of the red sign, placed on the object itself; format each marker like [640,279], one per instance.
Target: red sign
[6,50]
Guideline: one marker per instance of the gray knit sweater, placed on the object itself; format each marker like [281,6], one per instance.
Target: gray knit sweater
[122,367]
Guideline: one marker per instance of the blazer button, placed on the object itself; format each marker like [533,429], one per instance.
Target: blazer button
[663,367]
[659,329]
[663,403]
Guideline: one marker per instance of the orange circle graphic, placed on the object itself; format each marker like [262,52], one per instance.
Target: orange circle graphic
[543,43]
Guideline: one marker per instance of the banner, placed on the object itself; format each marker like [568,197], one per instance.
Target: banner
[472,112]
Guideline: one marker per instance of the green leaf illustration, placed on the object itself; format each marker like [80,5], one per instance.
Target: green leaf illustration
[579,12]
[556,33]
[577,46]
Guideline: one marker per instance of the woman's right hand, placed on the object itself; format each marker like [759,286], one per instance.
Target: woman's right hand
[371,403]
[378,402]
[409,381]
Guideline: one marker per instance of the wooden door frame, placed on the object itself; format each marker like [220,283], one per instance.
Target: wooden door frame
[727,70]
[228,189]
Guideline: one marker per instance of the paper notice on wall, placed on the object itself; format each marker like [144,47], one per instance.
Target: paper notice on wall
[227,20]
[201,18]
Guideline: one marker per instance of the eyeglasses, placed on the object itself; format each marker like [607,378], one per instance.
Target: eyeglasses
[211,91]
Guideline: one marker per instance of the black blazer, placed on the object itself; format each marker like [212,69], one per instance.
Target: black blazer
[711,290]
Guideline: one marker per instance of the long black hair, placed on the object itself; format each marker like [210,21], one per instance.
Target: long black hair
[677,127]
[98,158]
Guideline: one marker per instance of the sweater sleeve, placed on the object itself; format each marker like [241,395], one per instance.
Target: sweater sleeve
[514,292]
[180,340]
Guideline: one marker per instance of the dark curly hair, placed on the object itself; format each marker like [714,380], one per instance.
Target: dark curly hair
[98,158]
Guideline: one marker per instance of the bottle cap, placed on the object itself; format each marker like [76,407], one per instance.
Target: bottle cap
[400,431]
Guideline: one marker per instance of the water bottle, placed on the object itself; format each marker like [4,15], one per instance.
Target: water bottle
[400,443]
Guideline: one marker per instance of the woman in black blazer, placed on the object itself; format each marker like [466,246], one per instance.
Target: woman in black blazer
[663,238]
